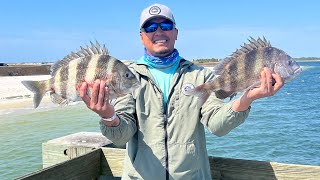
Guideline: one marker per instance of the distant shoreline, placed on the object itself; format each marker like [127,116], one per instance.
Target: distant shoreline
[29,69]
[318,60]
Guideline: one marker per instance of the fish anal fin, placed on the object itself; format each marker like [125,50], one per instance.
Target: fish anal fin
[58,99]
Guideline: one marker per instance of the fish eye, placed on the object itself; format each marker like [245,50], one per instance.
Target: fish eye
[127,75]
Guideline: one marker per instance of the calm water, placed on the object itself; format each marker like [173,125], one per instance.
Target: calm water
[284,128]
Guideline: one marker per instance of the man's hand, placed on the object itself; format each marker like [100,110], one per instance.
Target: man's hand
[270,84]
[99,101]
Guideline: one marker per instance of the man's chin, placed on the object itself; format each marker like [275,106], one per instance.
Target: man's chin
[162,53]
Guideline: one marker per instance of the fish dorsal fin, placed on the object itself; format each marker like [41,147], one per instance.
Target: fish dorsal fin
[221,66]
[245,48]
[83,52]
[252,45]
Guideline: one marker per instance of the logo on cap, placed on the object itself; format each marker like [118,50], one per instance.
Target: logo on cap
[154,10]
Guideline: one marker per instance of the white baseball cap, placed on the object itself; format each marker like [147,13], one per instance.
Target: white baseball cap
[156,10]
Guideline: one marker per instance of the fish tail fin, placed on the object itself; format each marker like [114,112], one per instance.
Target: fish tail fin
[201,92]
[39,88]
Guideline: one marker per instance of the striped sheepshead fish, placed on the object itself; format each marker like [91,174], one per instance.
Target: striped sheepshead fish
[241,71]
[87,65]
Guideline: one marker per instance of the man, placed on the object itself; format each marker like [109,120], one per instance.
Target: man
[162,127]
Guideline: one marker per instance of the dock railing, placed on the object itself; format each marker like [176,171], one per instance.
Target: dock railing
[87,155]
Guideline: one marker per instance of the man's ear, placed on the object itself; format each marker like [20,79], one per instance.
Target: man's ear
[177,32]
[141,38]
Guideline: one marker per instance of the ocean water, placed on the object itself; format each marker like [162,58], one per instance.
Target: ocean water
[283,128]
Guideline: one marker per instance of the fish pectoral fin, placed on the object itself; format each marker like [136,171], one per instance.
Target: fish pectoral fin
[57,99]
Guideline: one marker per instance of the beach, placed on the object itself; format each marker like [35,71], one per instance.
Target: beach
[13,94]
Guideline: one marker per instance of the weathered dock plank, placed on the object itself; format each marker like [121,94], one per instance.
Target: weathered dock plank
[76,162]
[86,166]
[227,168]
[58,150]
[112,161]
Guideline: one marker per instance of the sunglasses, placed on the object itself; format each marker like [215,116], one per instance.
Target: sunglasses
[150,27]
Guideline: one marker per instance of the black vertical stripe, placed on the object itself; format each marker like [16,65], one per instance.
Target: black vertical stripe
[251,61]
[102,66]
[234,75]
[64,73]
[103,61]
[82,68]
[221,82]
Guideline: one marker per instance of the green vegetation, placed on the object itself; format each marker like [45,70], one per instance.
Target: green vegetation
[306,58]
[217,60]
[205,60]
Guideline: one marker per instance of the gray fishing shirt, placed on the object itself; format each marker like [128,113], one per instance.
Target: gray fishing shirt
[169,143]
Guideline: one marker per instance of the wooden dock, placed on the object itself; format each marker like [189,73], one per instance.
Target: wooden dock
[88,155]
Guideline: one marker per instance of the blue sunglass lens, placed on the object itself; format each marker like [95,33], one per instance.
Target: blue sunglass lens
[152,27]
[166,26]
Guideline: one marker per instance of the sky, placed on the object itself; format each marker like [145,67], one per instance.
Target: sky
[46,31]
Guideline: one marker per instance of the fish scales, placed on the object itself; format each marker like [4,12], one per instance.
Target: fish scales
[86,65]
[241,71]
[64,72]
[82,68]
[91,71]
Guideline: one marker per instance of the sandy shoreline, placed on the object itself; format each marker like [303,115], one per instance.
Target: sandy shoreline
[14,95]
[12,88]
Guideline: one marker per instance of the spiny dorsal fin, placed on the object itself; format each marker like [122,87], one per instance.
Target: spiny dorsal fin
[252,45]
[245,48]
[83,52]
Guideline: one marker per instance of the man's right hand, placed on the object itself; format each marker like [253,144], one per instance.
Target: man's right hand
[99,100]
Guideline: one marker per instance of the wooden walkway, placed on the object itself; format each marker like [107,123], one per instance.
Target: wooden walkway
[80,156]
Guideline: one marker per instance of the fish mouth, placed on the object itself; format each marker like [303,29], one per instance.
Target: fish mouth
[297,71]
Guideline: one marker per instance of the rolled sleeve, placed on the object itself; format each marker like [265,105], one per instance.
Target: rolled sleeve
[122,133]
